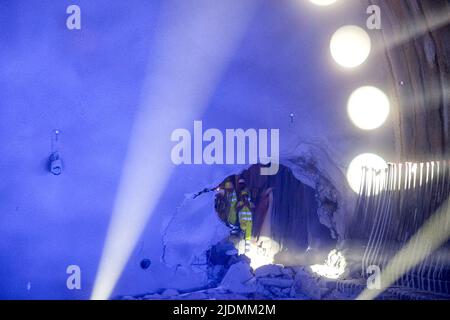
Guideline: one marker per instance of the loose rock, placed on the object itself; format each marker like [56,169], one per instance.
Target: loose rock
[269,271]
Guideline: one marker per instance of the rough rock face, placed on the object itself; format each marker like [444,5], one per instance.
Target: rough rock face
[237,277]
[240,282]
[269,270]
[187,238]
[314,166]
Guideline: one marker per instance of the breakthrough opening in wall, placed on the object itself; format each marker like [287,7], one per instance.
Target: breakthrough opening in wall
[274,219]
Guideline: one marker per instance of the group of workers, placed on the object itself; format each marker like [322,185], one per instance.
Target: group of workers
[236,208]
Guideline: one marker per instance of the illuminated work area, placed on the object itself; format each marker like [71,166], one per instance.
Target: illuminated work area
[201,150]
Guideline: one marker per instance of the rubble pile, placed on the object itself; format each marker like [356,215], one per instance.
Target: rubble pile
[231,277]
[268,282]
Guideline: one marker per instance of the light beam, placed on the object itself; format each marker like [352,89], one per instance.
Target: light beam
[192,46]
[433,234]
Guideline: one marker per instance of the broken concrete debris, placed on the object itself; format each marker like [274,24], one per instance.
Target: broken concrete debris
[240,282]
[270,282]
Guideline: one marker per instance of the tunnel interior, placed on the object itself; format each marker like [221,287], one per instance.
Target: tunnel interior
[94,204]
[286,211]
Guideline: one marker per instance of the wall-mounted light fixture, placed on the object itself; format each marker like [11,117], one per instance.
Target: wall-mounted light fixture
[55,163]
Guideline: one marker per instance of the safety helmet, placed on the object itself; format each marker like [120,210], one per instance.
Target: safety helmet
[228,185]
[241,180]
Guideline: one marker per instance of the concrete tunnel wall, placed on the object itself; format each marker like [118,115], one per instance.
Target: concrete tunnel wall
[89,84]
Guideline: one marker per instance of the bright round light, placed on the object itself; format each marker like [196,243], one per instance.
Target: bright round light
[334,266]
[262,252]
[323,2]
[350,46]
[375,178]
[368,108]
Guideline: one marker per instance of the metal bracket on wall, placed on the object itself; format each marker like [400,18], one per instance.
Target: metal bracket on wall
[55,163]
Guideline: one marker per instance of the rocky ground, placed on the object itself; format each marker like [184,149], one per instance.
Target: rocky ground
[277,282]
[240,282]
[231,277]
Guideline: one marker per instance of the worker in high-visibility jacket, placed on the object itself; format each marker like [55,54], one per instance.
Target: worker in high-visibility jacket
[231,199]
[244,208]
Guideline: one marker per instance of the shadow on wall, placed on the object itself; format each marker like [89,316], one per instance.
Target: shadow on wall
[285,210]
